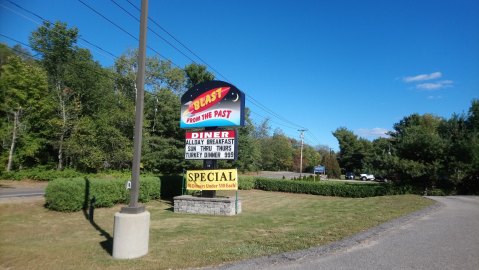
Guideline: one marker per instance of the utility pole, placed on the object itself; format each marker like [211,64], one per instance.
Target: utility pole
[133,206]
[131,231]
[301,158]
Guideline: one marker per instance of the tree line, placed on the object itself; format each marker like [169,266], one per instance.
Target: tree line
[425,151]
[65,110]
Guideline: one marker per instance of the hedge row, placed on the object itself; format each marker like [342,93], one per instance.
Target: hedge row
[39,174]
[44,174]
[246,182]
[330,188]
[68,195]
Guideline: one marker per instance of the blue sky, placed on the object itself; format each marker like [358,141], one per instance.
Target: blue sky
[363,65]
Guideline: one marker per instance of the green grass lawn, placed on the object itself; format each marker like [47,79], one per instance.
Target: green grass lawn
[32,237]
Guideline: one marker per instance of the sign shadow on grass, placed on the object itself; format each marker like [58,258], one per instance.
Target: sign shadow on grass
[89,212]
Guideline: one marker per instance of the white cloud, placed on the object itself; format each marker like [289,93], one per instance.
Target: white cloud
[435,85]
[423,77]
[373,132]
[434,97]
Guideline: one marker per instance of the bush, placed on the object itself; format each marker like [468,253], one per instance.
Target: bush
[330,188]
[66,195]
[69,195]
[246,182]
[435,192]
[40,174]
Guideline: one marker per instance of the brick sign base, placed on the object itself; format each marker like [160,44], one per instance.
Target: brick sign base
[206,206]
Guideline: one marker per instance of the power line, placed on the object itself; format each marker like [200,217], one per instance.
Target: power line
[264,117]
[17,41]
[257,103]
[125,31]
[271,112]
[24,44]
[251,98]
[158,35]
[45,20]
[179,42]
[110,21]
[113,78]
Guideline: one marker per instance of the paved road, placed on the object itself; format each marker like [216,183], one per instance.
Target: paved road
[442,237]
[21,192]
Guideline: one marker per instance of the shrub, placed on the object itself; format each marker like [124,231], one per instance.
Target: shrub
[40,174]
[66,195]
[436,192]
[69,195]
[329,188]
[246,182]
[149,189]
[107,193]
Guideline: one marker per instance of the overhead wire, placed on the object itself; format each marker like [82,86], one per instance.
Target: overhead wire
[250,97]
[267,118]
[253,100]
[179,42]
[45,20]
[158,35]
[125,31]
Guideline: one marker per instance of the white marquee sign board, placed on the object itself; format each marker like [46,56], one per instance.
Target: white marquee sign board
[217,144]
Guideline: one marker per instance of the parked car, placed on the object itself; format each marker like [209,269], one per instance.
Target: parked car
[365,176]
[349,176]
[381,179]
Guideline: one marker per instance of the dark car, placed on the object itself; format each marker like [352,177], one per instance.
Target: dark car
[349,176]
[381,178]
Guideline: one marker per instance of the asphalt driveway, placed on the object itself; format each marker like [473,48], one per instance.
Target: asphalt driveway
[21,189]
[445,236]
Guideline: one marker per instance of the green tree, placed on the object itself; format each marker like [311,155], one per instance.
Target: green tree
[352,153]
[311,158]
[57,44]
[248,148]
[282,152]
[23,92]
[331,165]
[196,74]
[262,130]
[158,74]
[417,140]
[164,140]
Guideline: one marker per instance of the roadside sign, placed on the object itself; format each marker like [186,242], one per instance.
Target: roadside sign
[217,144]
[212,179]
[212,104]
[319,169]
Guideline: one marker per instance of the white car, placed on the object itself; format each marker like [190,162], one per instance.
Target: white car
[365,177]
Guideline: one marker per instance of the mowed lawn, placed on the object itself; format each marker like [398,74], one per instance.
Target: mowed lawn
[32,237]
